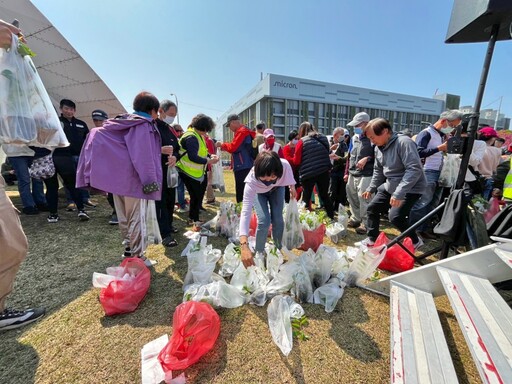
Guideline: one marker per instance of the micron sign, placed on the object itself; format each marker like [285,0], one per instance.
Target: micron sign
[284,84]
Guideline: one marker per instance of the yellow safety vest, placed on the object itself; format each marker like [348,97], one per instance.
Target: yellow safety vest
[507,186]
[192,169]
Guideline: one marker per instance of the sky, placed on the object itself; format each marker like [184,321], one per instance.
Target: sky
[210,53]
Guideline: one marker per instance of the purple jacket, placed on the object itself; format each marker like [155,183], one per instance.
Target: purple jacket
[121,157]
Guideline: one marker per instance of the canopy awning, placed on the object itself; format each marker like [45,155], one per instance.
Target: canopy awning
[63,71]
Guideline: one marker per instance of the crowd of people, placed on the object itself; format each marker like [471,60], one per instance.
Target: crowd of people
[143,157]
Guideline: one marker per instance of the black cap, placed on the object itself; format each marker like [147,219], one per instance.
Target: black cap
[232,117]
[98,114]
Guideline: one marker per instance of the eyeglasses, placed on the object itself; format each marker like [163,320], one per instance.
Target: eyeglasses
[179,130]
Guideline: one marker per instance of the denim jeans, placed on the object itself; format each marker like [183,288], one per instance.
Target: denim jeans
[29,198]
[397,216]
[274,199]
[428,200]
[180,190]
[487,193]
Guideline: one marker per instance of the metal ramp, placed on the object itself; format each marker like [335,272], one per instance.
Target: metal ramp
[419,353]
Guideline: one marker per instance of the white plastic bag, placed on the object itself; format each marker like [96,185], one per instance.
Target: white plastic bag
[273,260]
[218,175]
[335,232]
[342,216]
[149,223]
[230,260]
[201,264]
[216,293]
[324,259]
[280,325]
[329,294]
[450,171]
[17,125]
[173,178]
[292,234]
[364,264]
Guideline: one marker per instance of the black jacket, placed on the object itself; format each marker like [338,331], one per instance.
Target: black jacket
[76,131]
[315,156]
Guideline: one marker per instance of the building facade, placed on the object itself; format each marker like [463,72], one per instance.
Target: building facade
[284,102]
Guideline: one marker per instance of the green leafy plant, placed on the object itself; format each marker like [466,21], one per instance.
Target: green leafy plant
[24,50]
[297,325]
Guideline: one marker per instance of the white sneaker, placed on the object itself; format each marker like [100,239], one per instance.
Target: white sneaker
[419,244]
[366,242]
[148,262]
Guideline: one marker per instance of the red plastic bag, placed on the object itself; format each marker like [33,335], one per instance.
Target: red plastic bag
[313,239]
[196,327]
[396,259]
[123,296]
[253,226]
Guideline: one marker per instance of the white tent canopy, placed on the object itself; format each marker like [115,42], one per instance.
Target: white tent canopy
[63,71]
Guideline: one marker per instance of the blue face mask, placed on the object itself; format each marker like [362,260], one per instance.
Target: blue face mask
[358,131]
[269,183]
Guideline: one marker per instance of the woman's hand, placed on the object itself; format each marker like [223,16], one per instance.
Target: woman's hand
[361,163]
[6,32]
[247,258]
[171,161]
[293,192]
[214,159]
[167,150]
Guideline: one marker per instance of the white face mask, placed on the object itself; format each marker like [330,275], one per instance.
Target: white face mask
[447,130]
[169,119]
[295,141]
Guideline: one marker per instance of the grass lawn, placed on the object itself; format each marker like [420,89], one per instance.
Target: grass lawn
[77,343]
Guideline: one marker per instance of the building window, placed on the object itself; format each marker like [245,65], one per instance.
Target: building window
[278,107]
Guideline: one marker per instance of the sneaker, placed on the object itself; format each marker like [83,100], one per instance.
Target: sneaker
[90,203]
[366,242]
[183,209]
[353,224]
[11,318]
[148,262]
[71,207]
[83,216]
[127,253]
[113,220]
[419,244]
[361,230]
[210,202]
[53,218]
[174,229]
[30,211]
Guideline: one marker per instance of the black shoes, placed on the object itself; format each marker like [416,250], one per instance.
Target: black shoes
[12,318]
[30,211]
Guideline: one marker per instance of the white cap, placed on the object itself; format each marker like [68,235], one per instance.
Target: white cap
[359,118]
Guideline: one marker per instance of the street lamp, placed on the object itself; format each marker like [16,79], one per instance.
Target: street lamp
[177,107]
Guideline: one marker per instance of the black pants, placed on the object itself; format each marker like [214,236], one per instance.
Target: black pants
[110,199]
[397,216]
[337,190]
[322,184]
[240,183]
[196,191]
[165,207]
[52,191]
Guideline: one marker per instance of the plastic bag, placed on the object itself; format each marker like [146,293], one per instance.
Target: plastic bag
[123,296]
[324,259]
[228,221]
[217,294]
[196,327]
[230,260]
[364,264]
[17,125]
[218,174]
[329,294]
[302,288]
[48,127]
[342,216]
[396,259]
[313,239]
[450,171]
[173,178]
[280,325]
[335,232]
[273,260]
[201,264]
[149,227]
[293,236]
